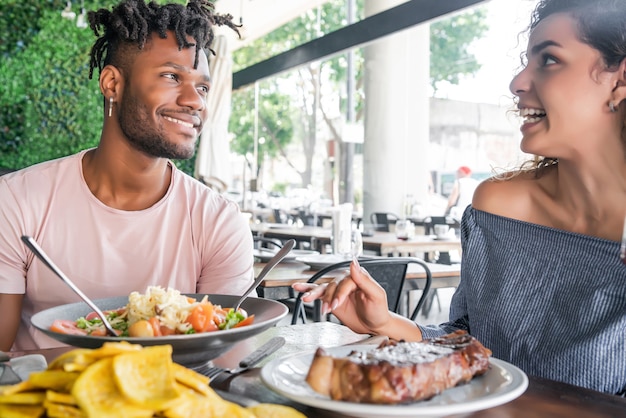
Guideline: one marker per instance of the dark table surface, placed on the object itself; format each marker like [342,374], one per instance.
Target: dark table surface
[542,398]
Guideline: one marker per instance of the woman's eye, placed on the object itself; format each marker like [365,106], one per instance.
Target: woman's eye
[547,59]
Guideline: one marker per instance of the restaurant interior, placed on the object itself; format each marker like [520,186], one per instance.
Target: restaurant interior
[341,143]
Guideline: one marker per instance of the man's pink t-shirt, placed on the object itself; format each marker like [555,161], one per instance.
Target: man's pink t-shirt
[193,240]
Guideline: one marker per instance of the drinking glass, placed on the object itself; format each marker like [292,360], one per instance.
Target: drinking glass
[357,243]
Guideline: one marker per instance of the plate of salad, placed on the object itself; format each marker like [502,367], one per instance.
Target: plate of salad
[198,327]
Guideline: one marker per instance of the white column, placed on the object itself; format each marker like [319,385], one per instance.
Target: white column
[396,116]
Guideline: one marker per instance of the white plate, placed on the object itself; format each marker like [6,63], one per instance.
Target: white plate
[502,383]
[265,254]
[318,262]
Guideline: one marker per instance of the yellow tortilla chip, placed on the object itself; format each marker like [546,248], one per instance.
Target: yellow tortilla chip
[193,404]
[146,377]
[57,380]
[21,411]
[24,386]
[97,394]
[191,379]
[268,410]
[58,410]
[109,349]
[75,360]
[23,398]
[56,397]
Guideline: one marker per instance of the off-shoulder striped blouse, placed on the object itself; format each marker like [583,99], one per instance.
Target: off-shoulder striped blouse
[549,301]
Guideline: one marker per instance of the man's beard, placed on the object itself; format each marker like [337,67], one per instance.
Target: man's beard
[138,128]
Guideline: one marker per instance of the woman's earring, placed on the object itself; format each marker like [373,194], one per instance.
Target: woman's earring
[111,106]
[612,107]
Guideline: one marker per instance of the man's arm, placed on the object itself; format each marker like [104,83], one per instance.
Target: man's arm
[10,309]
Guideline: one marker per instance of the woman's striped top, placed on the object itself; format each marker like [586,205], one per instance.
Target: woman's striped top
[549,301]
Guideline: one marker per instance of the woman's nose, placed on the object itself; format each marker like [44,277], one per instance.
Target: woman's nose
[520,83]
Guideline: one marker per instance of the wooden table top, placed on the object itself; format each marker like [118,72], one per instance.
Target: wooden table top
[382,242]
[287,273]
[543,398]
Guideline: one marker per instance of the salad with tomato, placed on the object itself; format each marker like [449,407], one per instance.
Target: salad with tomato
[156,313]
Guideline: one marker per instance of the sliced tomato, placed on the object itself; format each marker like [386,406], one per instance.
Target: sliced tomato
[201,318]
[156,326]
[249,320]
[167,330]
[65,326]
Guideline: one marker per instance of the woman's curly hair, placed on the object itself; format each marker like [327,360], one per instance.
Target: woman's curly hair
[130,24]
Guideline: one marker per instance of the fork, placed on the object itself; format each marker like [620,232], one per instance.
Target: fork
[250,360]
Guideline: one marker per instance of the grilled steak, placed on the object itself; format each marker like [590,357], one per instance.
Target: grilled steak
[399,372]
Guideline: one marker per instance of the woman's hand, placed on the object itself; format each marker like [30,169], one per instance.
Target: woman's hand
[357,300]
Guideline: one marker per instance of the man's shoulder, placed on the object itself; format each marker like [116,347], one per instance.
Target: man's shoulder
[42,173]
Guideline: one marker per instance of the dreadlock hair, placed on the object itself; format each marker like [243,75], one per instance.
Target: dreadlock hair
[129,25]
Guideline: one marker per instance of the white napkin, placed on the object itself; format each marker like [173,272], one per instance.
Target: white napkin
[342,229]
[23,366]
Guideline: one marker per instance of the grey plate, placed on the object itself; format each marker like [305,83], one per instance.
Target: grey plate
[187,349]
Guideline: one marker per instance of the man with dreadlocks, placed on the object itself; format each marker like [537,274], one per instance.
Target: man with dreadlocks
[121,217]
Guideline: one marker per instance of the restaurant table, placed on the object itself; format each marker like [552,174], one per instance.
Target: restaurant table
[278,281]
[542,398]
[382,243]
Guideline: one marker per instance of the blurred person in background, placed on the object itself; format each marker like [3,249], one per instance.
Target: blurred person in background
[462,193]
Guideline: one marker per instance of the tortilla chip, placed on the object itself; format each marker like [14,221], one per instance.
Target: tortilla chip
[23,398]
[21,411]
[268,410]
[146,377]
[57,410]
[75,360]
[97,394]
[191,379]
[23,386]
[57,380]
[56,397]
[193,404]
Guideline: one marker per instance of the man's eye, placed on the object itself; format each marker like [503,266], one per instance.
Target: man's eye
[204,89]
[171,76]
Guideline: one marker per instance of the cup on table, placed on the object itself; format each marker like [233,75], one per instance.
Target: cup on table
[441,231]
[404,229]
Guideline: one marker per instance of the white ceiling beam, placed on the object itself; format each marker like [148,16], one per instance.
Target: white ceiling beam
[260,17]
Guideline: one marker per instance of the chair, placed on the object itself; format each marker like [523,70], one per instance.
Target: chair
[381,220]
[390,273]
[260,241]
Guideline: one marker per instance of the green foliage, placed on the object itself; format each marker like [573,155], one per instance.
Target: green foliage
[48,106]
[275,125]
[449,38]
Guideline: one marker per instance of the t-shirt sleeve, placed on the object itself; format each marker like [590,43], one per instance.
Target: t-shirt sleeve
[227,261]
[12,257]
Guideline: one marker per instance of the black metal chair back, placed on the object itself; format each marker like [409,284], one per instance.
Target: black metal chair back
[389,272]
[381,220]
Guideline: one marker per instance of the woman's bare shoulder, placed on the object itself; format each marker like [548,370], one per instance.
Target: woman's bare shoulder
[510,196]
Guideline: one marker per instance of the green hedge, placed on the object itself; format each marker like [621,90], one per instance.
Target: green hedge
[48,106]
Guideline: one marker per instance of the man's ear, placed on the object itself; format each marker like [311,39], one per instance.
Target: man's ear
[111,82]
